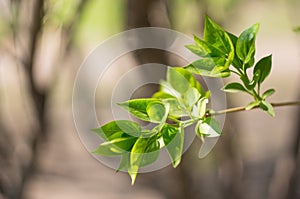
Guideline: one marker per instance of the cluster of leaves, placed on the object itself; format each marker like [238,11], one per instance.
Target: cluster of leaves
[181,101]
[224,53]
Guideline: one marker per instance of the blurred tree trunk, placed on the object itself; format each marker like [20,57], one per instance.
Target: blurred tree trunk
[8,178]
[17,169]
[19,152]
[294,188]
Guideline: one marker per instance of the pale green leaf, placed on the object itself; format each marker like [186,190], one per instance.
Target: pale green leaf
[268,93]
[173,138]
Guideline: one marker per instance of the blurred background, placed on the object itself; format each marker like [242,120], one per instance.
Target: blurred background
[43,43]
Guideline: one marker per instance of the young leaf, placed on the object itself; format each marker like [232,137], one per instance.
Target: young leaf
[236,62]
[124,162]
[175,110]
[202,107]
[268,93]
[205,66]
[251,105]
[115,147]
[210,127]
[249,85]
[162,95]
[191,96]
[166,87]
[116,129]
[262,69]
[234,87]
[216,36]
[141,147]
[267,107]
[204,49]
[181,80]
[138,107]
[173,138]
[151,153]
[245,45]
[197,50]
[157,112]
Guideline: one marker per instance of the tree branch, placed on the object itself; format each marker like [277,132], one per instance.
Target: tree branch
[243,108]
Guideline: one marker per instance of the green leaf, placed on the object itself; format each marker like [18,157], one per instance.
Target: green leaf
[200,110]
[262,69]
[268,93]
[191,96]
[251,105]
[124,162]
[181,80]
[173,138]
[206,66]
[115,147]
[139,156]
[210,127]
[197,50]
[162,95]
[245,45]
[249,85]
[204,49]
[118,129]
[175,110]
[138,107]
[234,87]
[267,107]
[202,107]
[217,37]
[166,87]
[157,112]
[236,62]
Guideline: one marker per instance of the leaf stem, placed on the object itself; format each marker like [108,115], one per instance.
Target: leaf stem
[243,108]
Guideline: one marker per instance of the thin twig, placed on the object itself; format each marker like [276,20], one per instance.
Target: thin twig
[243,108]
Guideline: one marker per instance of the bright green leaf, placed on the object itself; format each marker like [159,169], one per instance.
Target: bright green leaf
[173,138]
[162,95]
[115,129]
[138,107]
[216,36]
[268,93]
[262,69]
[115,147]
[138,156]
[205,66]
[234,87]
[181,80]
[236,62]
[204,49]
[245,45]
[157,112]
